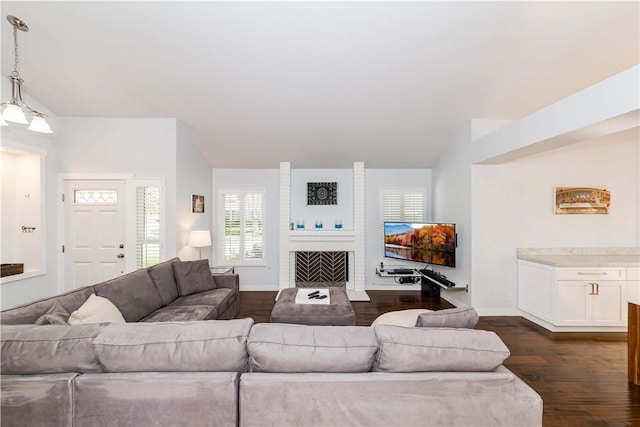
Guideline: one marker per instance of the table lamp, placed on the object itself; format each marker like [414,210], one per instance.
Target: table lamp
[199,239]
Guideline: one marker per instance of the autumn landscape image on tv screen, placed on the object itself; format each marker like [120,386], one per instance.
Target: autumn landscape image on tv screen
[428,243]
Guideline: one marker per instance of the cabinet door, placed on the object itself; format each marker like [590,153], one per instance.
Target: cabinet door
[572,303]
[609,306]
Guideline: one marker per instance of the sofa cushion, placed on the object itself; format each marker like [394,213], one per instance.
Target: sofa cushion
[134,294]
[437,349]
[220,298]
[212,345]
[30,312]
[460,317]
[182,314]
[45,400]
[56,315]
[193,277]
[277,347]
[48,349]
[96,310]
[163,277]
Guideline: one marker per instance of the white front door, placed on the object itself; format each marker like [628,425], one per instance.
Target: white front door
[94,247]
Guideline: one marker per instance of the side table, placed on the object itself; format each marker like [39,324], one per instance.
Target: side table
[222,270]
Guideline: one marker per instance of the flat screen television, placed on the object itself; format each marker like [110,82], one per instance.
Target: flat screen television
[430,243]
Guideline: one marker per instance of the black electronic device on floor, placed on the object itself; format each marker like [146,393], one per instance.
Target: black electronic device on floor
[432,281]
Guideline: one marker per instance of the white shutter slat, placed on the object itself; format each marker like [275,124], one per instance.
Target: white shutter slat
[147,226]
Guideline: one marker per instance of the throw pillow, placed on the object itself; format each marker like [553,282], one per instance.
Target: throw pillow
[96,310]
[193,276]
[460,317]
[56,315]
[406,318]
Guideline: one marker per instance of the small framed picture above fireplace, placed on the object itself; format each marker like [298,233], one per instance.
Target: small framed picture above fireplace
[322,193]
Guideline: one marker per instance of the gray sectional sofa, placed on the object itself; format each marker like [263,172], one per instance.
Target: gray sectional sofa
[235,373]
[174,290]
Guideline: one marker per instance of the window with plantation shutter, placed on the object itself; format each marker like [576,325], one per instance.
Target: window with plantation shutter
[241,225]
[148,230]
[403,204]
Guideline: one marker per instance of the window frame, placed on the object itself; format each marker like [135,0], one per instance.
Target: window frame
[135,183]
[402,193]
[220,227]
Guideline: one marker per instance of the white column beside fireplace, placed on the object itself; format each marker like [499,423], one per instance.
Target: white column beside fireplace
[351,241]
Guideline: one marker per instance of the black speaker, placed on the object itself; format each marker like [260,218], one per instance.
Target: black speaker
[429,288]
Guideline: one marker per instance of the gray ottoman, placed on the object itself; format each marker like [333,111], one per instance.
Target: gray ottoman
[338,313]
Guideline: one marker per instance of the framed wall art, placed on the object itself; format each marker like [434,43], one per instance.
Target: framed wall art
[582,200]
[197,203]
[322,193]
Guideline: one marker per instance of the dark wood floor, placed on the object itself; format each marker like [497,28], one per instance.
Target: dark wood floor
[582,378]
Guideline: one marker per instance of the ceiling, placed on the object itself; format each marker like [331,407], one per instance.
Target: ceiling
[320,84]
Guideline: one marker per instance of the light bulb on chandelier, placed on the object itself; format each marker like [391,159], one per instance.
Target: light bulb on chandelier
[15,110]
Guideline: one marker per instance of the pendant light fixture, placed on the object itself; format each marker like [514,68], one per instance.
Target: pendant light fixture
[16,110]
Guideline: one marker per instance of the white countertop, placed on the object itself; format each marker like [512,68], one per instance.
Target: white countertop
[557,260]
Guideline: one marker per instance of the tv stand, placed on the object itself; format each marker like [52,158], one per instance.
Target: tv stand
[431,282]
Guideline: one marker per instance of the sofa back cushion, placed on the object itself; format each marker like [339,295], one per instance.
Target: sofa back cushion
[30,312]
[134,294]
[193,277]
[163,277]
[459,317]
[48,349]
[275,347]
[212,345]
[438,349]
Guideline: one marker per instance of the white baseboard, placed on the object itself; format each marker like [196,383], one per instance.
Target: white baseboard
[498,311]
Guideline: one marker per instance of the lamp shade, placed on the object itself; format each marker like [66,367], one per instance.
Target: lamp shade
[39,124]
[13,113]
[199,238]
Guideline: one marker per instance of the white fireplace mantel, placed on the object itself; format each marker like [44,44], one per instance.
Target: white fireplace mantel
[322,241]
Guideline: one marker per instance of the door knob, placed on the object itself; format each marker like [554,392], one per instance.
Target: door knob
[120,255]
[121,245]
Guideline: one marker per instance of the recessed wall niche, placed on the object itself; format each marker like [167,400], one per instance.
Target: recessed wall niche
[22,213]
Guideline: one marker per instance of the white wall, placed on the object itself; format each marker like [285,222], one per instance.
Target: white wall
[28,204]
[328,214]
[513,207]
[9,214]
[142,147]
[452,189]
[258,277]
[374,180]
[27,289]
[193,177]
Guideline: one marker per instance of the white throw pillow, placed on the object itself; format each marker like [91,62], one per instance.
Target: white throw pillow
[405,318]
[96,310]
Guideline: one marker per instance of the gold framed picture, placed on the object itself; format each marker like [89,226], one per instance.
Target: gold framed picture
[582,200]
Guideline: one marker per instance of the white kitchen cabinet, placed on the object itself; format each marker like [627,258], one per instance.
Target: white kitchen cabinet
[582,303]
[575,298]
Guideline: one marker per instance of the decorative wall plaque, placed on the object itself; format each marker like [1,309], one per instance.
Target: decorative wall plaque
[582,200]
[322,193]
